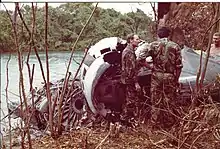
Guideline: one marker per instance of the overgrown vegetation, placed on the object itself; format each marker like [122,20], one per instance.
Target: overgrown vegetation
[191,22]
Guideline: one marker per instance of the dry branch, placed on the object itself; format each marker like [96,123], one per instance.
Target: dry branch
[6,90]
[32,39]
[103,140]
[21,80]
[70,60]
[48,94]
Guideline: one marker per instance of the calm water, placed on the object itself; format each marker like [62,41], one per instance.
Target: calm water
[58,62]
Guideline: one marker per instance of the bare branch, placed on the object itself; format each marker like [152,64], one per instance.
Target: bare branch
[48,71]
[6,90]
[70,60]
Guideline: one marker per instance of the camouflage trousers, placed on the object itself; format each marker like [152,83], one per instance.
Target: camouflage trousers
[163,93]
[130,108]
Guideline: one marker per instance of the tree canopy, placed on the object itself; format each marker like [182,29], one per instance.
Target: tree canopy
[66,22]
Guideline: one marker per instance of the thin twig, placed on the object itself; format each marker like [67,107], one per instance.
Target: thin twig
[25,25]
[156,143]
[6,89]
[32,41]
[13,93]
[103,140]
[48,94]
[21,80]
[31,73]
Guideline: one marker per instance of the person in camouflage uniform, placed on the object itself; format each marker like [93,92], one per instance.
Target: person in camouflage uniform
[129,78]
[167,65]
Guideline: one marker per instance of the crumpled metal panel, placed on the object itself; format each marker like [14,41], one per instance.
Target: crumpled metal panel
[94,72]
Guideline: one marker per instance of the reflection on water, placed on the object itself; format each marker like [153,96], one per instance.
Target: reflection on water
[58,62]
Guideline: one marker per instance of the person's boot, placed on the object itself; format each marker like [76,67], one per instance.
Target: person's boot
[112,130]
[118,127]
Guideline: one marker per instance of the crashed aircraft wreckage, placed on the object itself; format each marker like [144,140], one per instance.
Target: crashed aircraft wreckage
[98,89]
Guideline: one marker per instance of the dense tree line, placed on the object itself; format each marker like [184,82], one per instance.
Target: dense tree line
[66,22]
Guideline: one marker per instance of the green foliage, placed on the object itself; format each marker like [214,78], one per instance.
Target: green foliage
[5,32]
[66,21]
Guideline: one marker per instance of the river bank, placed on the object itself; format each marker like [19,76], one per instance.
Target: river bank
[39,51]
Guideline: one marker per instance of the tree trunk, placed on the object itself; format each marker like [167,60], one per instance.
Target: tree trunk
[165,11]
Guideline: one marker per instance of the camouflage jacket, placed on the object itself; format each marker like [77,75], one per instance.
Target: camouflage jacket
[166,56]
[129,71]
